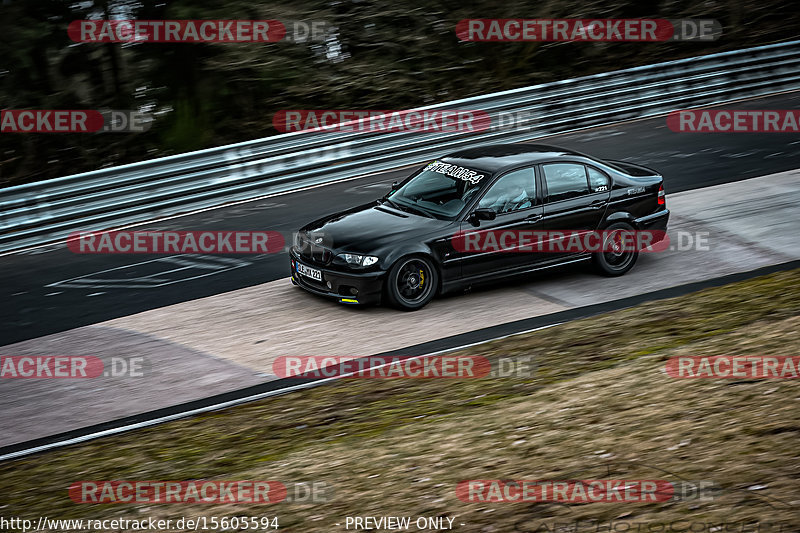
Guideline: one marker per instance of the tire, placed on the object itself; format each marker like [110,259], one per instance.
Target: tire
[411,283]
[615,263]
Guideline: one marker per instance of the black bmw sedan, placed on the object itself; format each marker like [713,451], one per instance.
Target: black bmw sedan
[409,246]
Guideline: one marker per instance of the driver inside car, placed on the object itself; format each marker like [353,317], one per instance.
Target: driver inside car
[509,193]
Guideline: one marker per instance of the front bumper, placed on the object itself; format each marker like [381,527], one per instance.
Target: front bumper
[346,287]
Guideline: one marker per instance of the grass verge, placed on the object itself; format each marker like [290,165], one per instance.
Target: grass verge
[598,406]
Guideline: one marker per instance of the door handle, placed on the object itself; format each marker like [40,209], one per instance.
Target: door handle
[533,218]
[598,203]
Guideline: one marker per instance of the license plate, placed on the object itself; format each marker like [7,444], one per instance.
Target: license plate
[309,272]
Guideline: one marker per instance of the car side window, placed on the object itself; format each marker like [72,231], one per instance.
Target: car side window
[511,192]
[565,181]
[598,181]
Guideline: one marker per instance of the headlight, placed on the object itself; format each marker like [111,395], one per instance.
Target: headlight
[300,239]
[358,260]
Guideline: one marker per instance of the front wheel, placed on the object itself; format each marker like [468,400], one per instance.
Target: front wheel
[614,259]
[411,283]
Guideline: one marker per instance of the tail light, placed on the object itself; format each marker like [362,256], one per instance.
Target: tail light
[662,197]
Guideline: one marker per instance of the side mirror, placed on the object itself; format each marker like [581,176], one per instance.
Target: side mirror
[483,213]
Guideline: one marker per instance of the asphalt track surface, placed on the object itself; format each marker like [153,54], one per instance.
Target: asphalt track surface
[227,342]
[215,328]
[37,301]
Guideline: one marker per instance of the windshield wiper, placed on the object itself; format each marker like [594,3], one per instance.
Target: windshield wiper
[417,210]
[408,208]
[391,203]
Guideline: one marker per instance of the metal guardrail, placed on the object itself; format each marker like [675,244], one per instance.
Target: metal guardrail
[48,211]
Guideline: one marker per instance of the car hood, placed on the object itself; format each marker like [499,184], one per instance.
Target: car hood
[367,228]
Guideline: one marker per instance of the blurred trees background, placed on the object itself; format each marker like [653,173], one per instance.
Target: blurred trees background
[383,54]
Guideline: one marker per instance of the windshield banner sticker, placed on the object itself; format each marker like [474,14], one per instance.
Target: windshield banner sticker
[455,171]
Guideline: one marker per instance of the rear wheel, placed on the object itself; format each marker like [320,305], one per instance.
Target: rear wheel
[614,259]
[411,283]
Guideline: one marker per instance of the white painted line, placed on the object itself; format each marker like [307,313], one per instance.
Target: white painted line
[151,281]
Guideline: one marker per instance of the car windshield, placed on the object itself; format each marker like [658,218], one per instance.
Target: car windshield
[440,190]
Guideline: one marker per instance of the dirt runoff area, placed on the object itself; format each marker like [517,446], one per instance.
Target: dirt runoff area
[399,454]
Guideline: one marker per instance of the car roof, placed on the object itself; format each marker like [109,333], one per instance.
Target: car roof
[497,157]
